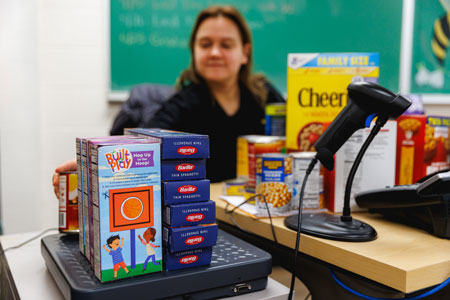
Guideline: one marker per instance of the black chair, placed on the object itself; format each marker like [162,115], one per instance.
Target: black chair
[144,100]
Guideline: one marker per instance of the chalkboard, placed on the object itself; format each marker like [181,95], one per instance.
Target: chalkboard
[149,38]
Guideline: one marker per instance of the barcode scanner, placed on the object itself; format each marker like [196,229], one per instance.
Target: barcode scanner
[366,100]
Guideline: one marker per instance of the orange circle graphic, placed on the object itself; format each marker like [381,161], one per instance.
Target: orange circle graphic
[132,208]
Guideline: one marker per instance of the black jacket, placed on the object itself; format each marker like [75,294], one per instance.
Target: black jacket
[192,110]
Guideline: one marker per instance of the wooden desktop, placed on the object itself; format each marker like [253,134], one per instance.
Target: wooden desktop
[403,258]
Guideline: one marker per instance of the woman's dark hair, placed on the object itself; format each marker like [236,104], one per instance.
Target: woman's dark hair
[254,82]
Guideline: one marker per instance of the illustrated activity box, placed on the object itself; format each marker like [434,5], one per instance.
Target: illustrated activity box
[317,91]
[128,181]
[87,186]
[377,169]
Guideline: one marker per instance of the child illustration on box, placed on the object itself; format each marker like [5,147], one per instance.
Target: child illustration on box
[149,235]
[115,244]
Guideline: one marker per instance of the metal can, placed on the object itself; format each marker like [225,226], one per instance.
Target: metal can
[259,145]
[234,187]
[242,155]
[313,195]
[68,202]
[275,119]
[274,182]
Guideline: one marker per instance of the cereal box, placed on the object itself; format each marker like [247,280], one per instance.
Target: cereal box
[126,181]
[190,214]
[175,144]
[176,192]
[423,147]
[317,91]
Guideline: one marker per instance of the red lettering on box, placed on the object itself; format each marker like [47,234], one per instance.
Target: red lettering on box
[194,240]
[195,217]
[187,150]
[185,167]
[188,259]
[187,189]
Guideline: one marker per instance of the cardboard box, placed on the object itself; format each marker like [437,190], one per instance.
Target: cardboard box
[183,169]
[317,91]
[175,144]
[423,147]
[188,238]
[81,235]
[176,192]
[187,259]
[190,214]
[377,168]
[126,181]
[87,184]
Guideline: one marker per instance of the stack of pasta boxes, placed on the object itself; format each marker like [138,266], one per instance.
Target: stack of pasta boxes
[189,216]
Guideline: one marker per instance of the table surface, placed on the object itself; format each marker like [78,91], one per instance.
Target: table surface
[32,278]
[402,257]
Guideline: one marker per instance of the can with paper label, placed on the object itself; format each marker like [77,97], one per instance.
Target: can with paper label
[274,181]
[68,202]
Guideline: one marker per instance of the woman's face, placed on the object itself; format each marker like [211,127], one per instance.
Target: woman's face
[218,50]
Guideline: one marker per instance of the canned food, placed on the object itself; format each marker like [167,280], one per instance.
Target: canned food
[274,182]
[234,187]
[276,119]
[313,195]
[68,202]
[242,155]
[259,145]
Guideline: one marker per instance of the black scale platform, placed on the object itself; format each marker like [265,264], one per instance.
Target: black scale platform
[237,267]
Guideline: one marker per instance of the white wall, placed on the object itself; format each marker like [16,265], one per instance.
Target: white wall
[53,88]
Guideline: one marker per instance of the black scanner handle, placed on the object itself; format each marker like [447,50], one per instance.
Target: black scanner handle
[351,118]
[365,101]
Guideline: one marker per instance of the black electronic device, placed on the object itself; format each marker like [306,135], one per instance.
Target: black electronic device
[236,268]
[425,205]
[366,101]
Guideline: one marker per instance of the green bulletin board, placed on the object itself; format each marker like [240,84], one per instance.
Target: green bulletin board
[428,73]
[149,37]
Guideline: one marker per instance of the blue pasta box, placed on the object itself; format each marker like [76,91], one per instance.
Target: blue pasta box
[188,238]
[176,192]
[126,185]
[187,169]
[187,259]
[189,214]
[175,144]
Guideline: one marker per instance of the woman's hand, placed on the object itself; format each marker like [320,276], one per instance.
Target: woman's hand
[70,165]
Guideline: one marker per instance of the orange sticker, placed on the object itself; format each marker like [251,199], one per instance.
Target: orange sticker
[131,208]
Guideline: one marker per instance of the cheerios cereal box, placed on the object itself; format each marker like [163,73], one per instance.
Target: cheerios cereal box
[317,91]
[423,147]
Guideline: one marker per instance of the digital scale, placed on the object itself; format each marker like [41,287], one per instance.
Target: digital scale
[237,267]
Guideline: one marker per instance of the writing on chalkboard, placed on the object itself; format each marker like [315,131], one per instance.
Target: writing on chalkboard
[149,38]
